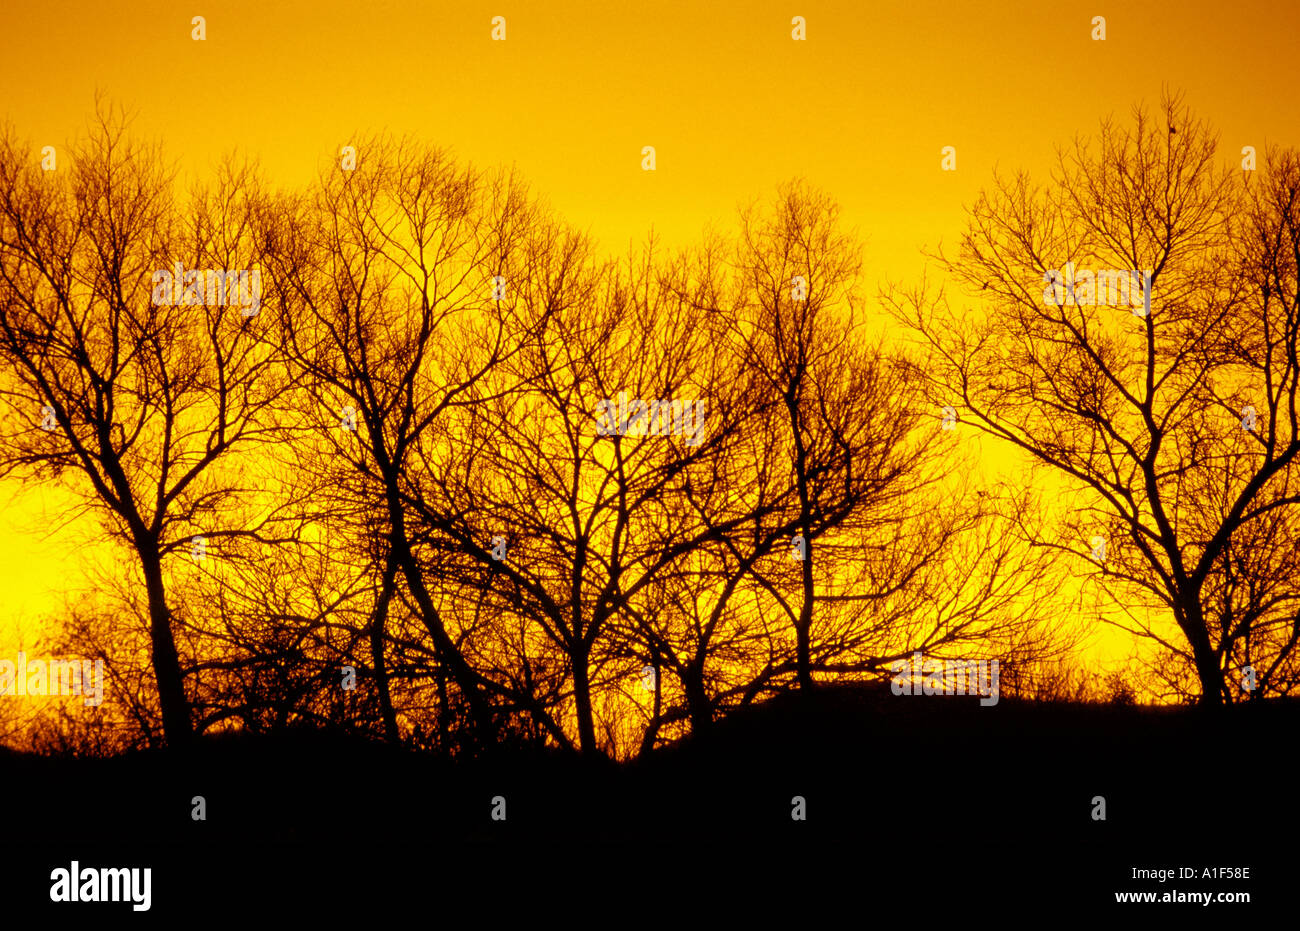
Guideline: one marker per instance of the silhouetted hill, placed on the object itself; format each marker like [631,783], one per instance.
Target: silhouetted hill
[886,781]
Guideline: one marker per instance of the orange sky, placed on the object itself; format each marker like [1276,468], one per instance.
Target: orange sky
[731,103]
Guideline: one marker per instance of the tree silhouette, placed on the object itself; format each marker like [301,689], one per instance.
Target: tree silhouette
[1177,423]
[496,475]
[134,405]
[389,316]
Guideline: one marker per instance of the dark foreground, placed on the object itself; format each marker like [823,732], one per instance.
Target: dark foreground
[916,809]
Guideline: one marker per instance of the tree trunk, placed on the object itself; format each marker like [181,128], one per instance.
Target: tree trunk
[480,708]
[378,640]
[803,630]
[1207,663]
[582,700]
[1207,668]
[803,627]
[400,552]
[177,728]
[652,731]
[697,701]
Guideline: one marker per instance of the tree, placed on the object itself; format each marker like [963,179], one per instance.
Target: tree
[394,280]
[896,550]
[135,402]
[620,413]
[1141,406]
[845,411]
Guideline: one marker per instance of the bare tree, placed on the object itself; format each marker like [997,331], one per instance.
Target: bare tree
[895,550]
[1142,404]
[581,473]
[393,278]
[133,401]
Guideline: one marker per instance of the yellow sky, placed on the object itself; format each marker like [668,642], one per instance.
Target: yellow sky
[732,105]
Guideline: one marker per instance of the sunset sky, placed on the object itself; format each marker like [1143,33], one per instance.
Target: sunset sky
[733,106]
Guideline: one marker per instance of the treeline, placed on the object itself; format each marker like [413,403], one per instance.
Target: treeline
[464,479]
